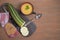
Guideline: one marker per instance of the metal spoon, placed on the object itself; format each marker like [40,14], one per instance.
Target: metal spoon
[37,16]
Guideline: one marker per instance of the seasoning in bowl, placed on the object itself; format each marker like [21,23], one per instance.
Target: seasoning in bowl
[26,8]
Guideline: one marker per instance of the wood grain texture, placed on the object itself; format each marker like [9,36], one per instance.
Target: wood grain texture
[48,26]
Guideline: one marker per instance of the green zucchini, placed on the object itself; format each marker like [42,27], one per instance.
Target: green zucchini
[15,15]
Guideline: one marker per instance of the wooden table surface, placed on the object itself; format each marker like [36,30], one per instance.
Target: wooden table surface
[48,26]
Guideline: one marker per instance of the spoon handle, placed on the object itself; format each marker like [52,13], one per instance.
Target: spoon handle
[3,6]
[28,22]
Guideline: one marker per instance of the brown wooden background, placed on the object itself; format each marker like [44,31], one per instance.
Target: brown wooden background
[48,26]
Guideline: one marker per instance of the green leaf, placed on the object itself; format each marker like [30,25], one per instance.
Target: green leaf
[27,7]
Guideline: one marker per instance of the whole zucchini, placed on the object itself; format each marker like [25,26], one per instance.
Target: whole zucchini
[20,22]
